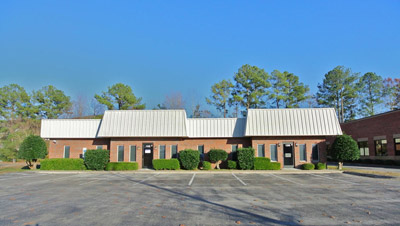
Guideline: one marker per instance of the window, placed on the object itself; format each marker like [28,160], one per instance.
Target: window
[174,151]
[66,152]
[381,147]
[303,152]
[83,152]
[260,150]
[234,147]
[274,152]
[201,150]
[99,147]
[120,153]
[233,153]
[315,152]
[364,149]
[162,151]
[132,154]
[397,146]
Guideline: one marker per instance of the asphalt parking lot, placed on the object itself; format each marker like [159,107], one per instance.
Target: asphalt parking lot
[197,199]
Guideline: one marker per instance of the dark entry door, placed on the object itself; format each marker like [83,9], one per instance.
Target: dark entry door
[147,155]
[288,155]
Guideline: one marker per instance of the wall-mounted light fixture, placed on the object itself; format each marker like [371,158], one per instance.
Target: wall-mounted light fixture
[279,144]
[296,144]
[54,141]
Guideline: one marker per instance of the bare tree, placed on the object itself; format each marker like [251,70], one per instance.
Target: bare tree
[172,101]
[96,107]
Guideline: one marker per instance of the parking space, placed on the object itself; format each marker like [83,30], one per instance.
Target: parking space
[197,199]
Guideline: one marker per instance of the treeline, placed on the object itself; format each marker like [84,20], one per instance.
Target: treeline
[351,94]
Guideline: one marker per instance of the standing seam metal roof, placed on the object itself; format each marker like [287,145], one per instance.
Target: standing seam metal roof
[216,127]
[69,128]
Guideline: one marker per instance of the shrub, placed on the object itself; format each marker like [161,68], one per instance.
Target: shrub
[116,166]
[31,149]
[206,165]
[246,158]
[261,163]
[189,159]
[308,166]
[344,148]
[97,159]
[274,166]
[320,166]
[62,164]
[217,156]
[389,162]
[166,164]
[232,164]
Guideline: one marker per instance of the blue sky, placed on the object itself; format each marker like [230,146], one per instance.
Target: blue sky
[160,47]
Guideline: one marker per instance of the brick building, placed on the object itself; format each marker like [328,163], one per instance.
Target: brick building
[289,136]
[378,136]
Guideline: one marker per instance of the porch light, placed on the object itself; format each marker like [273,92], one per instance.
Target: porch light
[279,144]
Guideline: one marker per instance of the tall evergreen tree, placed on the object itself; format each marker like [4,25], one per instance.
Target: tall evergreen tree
[120,97]
[221,92]
[339,90]
[392,93]
[287,91]
[15,103]
[51,102]
[371,93]
[251,87]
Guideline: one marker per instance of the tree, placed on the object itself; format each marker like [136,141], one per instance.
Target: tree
[251,87]
[217,156]
[370,92]
[344,148]
[120,97]
[32,148]
[51,102]
[96,107]
[15,102]
[172,101]
[392,93]
[198,113]
[287,92]
[339,91]
[221,92]
[80,106]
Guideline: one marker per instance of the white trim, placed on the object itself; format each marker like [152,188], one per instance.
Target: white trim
[396,136]
[159,151]
[130,150]
[123,160]
[304,153]
[380,138]
[270,153]
[69,151]
[362,139]
[258,145]
[83,152]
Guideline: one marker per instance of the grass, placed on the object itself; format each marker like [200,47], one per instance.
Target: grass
[13,167]
[373,172]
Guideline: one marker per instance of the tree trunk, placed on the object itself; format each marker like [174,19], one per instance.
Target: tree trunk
[340,165]
[217,163]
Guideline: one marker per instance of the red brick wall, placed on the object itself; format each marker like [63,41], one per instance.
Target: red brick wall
[56,149]
[386,124]
[308,141]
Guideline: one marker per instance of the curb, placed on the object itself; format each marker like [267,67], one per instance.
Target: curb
[302,172]
[369,175]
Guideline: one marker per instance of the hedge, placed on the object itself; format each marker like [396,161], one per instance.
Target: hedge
[116,166]
[97,159]
[166,164]
[189,159]
[246,158]
[206,165]
[274,166]
[307,166]
[232,164]
[217,155]
[261,163]
[62,164]
[320,166]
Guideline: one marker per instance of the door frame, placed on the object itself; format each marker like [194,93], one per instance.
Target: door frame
[283,153]
[152,154]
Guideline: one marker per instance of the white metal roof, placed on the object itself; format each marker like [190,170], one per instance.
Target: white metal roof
[216,127]
[69,128]
[143,123]
[292,122]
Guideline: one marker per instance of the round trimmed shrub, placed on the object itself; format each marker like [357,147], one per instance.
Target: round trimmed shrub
[217,156]
[189,159]
[97,159]
[31,149]
[320,166]
[232,164]
[344,148]
[246,158]
[261,163]
[307,166]
[206,165]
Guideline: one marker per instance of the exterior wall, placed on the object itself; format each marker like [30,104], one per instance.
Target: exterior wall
[308,141]
[187,143]
[384,125]
[56,149]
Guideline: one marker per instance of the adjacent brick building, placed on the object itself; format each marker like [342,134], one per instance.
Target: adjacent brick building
[289,136]
[378,136]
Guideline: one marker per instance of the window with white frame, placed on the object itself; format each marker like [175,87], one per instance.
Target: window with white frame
[174,151]
[162,151]
[132,153]
[66,151]
[120,153]
[274,152]
[315,152]
[303,152]
[260,150]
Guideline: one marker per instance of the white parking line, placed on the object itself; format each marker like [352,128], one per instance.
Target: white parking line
[333,179]
[239,179]
[191,180]
[146,179]
[282,178]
